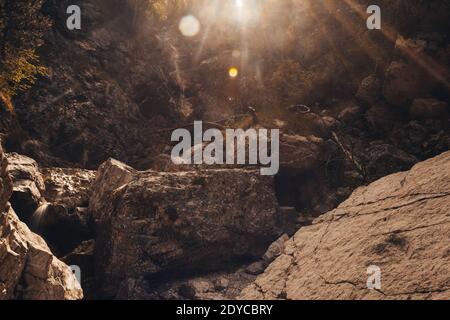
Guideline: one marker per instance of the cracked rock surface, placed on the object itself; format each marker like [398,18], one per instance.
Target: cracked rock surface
[400,223]
[172,225]
[28,270]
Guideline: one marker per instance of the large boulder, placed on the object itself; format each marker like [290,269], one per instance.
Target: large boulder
[154,224]
[399,224]
[28,269]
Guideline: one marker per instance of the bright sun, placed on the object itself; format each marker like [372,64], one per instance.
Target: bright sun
[233,72]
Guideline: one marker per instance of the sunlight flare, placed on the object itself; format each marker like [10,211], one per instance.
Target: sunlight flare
[233,72]
[189,26]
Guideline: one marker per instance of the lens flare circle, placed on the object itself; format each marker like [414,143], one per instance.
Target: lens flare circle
[233,72]
[189,26]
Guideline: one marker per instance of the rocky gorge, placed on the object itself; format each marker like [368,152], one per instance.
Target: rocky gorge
[86,177]
[209,234]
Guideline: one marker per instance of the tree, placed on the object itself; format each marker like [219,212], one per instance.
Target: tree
[22,27]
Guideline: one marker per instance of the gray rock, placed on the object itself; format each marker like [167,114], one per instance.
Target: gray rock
[399,223]
[23,168]
[275,249]
[68,187]
[150,223]
[28,185]
[6,185]
[28,268]
[50,201]
[256,268]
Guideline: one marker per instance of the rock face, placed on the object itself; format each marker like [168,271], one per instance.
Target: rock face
[28,185]
[81,111]
[151,224]
[64,221]
[69,187]
[5,182]
[28,268]
[400,223]
[52,201]
[382,158]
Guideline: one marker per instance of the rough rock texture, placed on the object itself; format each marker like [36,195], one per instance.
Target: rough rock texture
[21,167]
[101,97]
[28,185]
[28,268]
[70,187]
[6,185]
[65,222]
[116,174]
[52,201]
[300,182]
[381,158]
[400,223]
[150,223]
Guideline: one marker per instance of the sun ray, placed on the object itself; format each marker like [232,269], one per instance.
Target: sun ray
[428,64]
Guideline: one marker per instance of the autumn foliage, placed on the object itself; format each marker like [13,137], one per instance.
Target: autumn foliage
[21,31]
